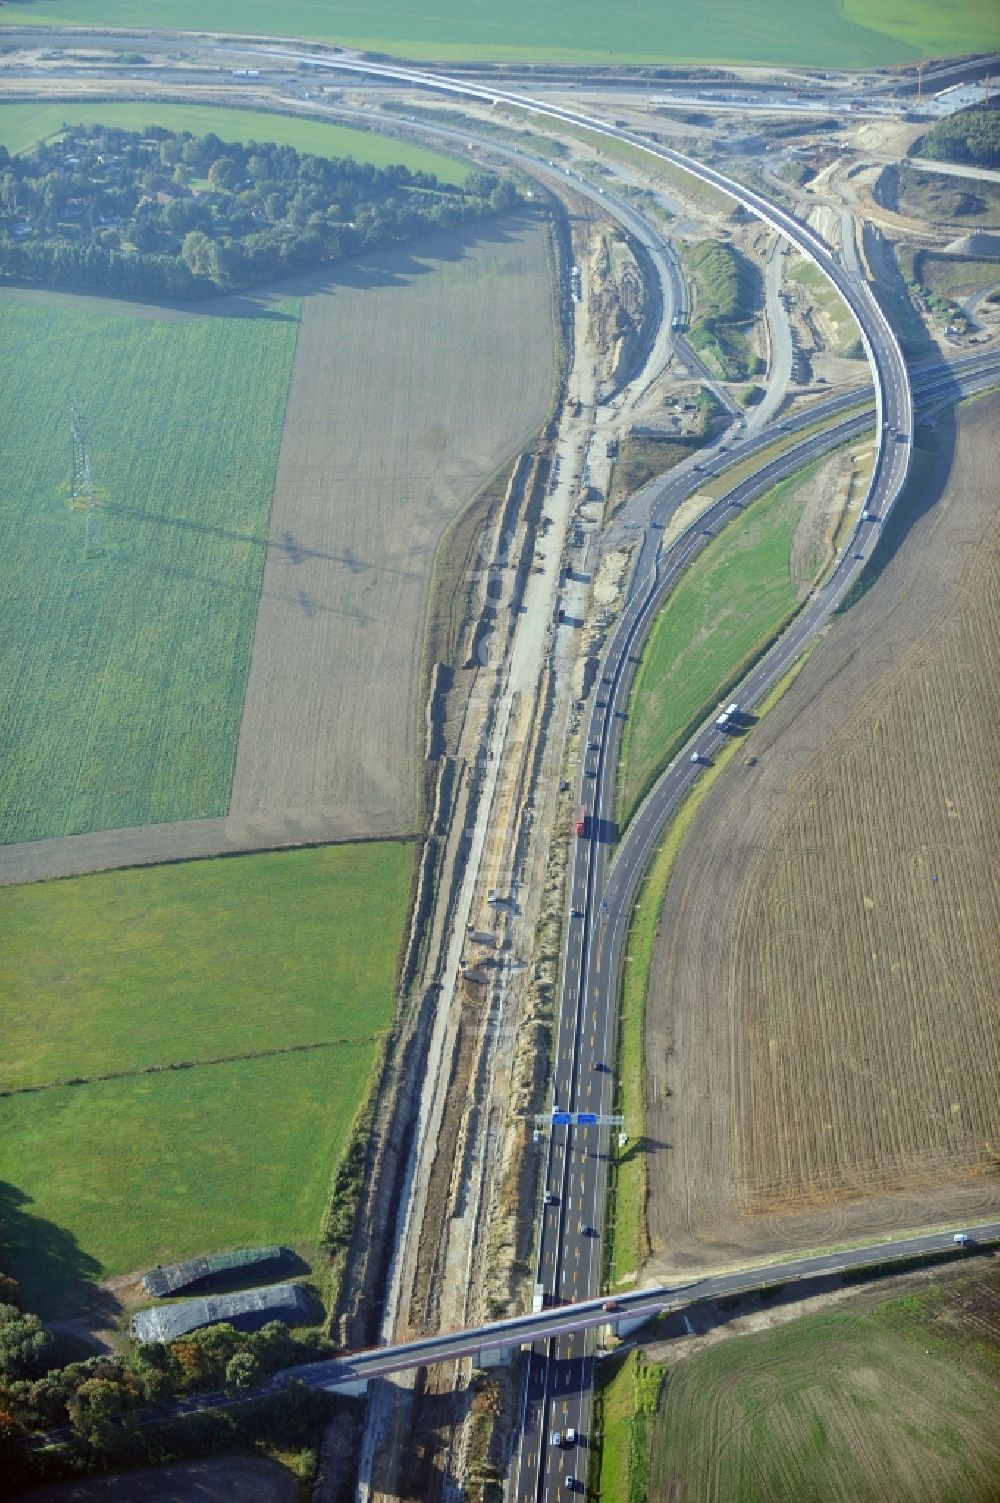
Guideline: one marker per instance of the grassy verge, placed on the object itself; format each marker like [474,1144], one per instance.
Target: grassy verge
[953,277]
[628,1397]
[221,1021]
[717,485]
[641,460]
[122,674]
[830,303]
[657,169]
[23,124]
[733,600]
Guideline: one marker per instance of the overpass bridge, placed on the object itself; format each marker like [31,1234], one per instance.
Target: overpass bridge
[493,1341]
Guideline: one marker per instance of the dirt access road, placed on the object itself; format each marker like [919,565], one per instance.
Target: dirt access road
[823,1040]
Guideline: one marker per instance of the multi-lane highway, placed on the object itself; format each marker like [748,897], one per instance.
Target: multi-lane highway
[558,1393]
[606,871]
[601,897]
[570,1259]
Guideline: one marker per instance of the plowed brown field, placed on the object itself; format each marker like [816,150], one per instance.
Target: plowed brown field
[823,1030]
[417,373]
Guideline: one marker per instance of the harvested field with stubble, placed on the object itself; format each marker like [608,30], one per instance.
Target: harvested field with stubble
[418,373]
[822,1043]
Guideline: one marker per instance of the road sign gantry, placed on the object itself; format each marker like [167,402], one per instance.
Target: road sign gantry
[579,1119]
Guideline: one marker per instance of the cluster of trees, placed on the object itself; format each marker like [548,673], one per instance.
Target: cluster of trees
[46,1385]
[174,215]
[40,1391]
[969,136]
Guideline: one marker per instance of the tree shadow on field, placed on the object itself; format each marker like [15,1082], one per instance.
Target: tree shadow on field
[56,1277]
[641,1145]
[390,266]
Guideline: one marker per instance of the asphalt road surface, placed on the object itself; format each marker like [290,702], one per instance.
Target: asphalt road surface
[570,1260]
[560,1384]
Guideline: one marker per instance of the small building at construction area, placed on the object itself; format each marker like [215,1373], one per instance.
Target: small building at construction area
[980,245]
[220,1269]
[248,1310]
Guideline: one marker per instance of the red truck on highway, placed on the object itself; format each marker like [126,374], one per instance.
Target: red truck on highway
[581,821]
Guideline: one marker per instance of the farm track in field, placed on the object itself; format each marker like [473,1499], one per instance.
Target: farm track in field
[822,1037]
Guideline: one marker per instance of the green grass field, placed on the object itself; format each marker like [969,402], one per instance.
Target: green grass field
[894,1401]
[122,675]
[23,124]
[729,602]
[259,956]
[627,1405]
[625,1243]
[817,32]
[955,277]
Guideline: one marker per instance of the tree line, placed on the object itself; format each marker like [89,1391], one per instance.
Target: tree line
[173,215]
[969,136]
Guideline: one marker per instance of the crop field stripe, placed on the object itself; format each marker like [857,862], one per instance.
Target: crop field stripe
[811,32]
[133,1172]
[23,124]
[122,675]
[185,1064]
[201,938]
[944,959]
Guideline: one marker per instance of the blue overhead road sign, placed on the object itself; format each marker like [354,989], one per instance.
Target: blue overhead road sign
[579,1119]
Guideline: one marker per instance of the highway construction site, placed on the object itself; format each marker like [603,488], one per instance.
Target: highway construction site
[454,1166]
[505,730]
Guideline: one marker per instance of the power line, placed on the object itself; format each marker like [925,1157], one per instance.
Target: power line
[81,491]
